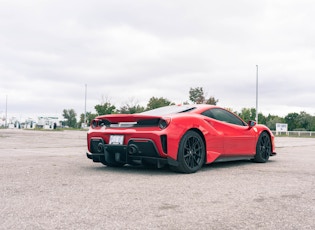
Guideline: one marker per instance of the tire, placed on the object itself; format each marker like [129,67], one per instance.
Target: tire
[191,153]
[263,148]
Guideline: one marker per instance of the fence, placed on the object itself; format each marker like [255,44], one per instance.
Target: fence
[295,133]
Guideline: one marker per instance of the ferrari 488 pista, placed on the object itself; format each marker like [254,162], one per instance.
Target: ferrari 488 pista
[185,137]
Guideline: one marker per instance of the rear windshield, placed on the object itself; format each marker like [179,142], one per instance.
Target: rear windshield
[169,110]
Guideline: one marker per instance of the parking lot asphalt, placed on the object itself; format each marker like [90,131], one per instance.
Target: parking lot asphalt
[46,182]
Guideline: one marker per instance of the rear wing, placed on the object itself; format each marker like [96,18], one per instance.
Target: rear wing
[117,118]
[130,120]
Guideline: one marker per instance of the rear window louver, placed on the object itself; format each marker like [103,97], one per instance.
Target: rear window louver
[140,123]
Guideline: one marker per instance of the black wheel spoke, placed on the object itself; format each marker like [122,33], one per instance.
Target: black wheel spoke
[196,159]
[187,158]
[192,152]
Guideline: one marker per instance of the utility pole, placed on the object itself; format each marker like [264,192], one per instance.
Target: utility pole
[6,111]
[85,124]
[257,94]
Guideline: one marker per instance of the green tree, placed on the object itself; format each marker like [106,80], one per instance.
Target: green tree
[212,101]
[313,124]
[155,102]
[262,119]
[304,121]
[196,95]
[70,116]
[272,120]
[105,108]
[248,114]
[291,120]
[89,117]
[130,109]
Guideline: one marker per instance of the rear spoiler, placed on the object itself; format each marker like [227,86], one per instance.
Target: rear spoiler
[117,118]
[130,120]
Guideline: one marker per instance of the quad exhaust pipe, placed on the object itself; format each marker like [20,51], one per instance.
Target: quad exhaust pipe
[132,149]
[100,148]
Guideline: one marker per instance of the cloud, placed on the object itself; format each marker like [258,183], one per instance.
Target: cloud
[127,50]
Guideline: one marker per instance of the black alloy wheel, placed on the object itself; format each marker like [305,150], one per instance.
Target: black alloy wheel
[263,148]
[191,153]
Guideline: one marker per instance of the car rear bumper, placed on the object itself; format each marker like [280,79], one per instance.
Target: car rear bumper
[136,152]
[133,160]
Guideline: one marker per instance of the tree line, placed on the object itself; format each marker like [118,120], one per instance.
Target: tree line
[296,121]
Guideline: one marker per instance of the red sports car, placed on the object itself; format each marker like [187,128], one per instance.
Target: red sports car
[185,137]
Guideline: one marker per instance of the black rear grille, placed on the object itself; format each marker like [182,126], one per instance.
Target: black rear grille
[144,148]
[149,122]
[140,123]
[97,146]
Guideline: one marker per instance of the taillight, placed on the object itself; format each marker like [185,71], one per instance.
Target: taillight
[94,123]
[164,122]
[99,123]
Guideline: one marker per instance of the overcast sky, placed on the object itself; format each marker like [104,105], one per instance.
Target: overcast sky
[129,51]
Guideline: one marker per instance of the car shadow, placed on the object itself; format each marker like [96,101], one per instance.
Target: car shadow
[231,164]
[228,164]
[131,169]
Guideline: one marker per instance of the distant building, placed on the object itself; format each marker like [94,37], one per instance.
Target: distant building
[49,122]
[2,122]
[14,123]
[29,124]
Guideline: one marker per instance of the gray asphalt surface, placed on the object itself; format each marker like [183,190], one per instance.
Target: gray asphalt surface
[46,182]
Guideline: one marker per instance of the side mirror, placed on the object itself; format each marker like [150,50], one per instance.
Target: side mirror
[251,123]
